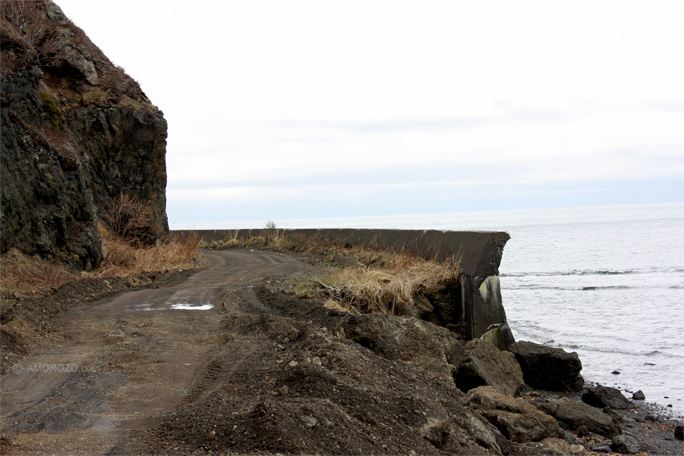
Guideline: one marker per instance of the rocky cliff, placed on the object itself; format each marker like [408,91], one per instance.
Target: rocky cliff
[77,133]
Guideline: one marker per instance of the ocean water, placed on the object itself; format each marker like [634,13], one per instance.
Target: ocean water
[606,282]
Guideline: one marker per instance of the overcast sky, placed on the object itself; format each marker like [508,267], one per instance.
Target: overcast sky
[308,109]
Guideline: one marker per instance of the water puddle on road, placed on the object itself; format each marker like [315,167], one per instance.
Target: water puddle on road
[190,306]
[148,306]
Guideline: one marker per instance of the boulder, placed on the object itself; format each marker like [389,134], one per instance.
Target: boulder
[679,432]
[605,396]
[639,396]
[625,444]
[578,415]
[548,368]
[483,432]
[516,419]
[485,364]
[407,339]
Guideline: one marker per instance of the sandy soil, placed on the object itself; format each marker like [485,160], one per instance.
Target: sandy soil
[260,372]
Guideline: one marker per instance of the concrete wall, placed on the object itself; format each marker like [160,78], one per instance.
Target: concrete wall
[479,254]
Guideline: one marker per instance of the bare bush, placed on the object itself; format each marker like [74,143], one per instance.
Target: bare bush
[129,218]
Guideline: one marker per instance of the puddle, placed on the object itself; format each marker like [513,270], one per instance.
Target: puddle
[189,306]
[141,307]
[147,306]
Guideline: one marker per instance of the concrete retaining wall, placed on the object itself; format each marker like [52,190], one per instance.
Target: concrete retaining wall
[479,254]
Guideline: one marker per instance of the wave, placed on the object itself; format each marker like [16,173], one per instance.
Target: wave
[614,287]
[590,272]
[572,288]
[637,353]
[569,287]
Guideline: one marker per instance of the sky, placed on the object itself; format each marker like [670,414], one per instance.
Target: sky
[293,109]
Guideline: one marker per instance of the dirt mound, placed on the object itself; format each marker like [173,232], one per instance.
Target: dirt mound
[289,382]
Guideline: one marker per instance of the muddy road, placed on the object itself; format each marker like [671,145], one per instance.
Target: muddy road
[118,362]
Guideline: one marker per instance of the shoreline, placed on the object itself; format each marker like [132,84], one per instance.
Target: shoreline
[651,424]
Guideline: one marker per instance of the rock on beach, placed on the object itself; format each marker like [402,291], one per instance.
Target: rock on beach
[548,368]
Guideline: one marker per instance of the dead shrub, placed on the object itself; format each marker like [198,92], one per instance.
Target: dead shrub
[129,219]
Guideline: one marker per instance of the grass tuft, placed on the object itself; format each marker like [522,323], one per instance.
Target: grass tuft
[391,283]
[123,259]
[25,274]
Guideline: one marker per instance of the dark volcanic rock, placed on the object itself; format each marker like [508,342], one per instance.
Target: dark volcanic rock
[605,396]
[639,396]
[548,368]
[679,432]
[76,133]
[625,444]
[517,419]
[578,415]
[484,364]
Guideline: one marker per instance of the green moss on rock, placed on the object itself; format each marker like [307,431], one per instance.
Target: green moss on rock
[54,114]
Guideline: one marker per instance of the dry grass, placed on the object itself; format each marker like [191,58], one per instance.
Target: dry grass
[393,282]
[123,259]
[23,274]
[270,238]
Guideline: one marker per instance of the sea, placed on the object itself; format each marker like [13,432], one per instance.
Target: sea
[605,282]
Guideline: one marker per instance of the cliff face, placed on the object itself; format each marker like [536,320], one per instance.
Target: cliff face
[77,133]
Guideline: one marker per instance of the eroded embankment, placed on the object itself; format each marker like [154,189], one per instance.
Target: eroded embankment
[264,371]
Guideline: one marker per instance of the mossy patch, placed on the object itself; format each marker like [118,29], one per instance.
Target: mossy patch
[54,114]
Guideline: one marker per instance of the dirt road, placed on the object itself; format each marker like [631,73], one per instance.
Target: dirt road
[119,362]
